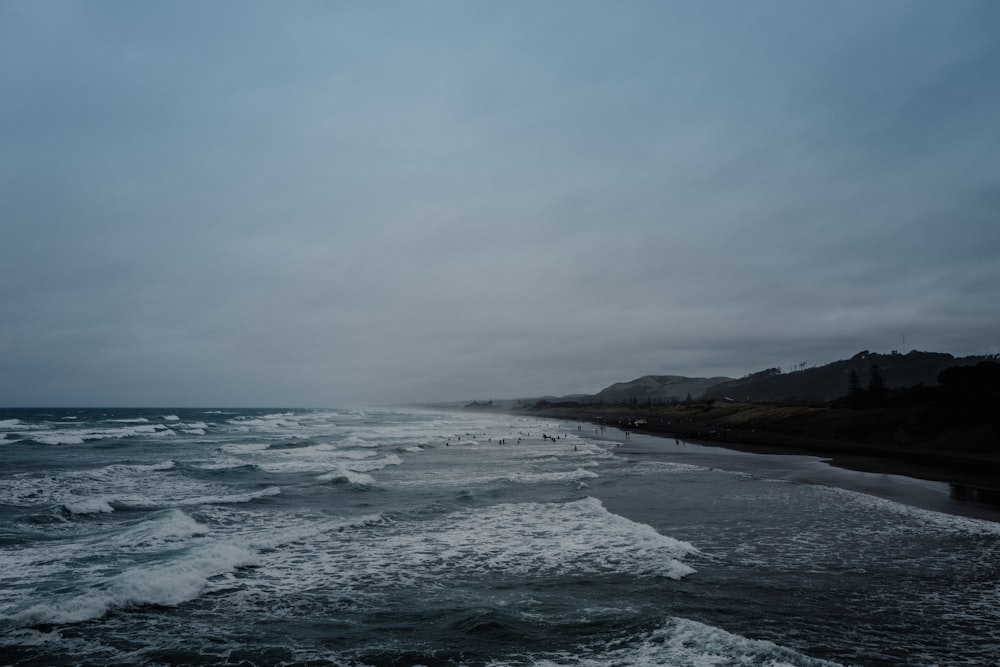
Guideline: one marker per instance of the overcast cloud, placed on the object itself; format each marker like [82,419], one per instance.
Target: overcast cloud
[342,203]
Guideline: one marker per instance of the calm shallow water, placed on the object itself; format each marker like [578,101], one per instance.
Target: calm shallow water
[380,537]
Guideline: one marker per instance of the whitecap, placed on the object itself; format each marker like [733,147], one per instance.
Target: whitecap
[680,641]
[140,467]
[88,506]
[235,498]
[353,478]
[59,439]
[224,464]
[938,520]
[78,437]
[245,448]
[167,526]
[311,529]
[165,585]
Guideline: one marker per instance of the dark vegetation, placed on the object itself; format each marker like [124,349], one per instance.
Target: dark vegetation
[922,414]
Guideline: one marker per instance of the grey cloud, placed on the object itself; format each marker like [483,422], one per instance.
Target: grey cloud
[247,203]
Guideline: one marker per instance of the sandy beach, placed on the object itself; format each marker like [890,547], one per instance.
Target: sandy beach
[864,440]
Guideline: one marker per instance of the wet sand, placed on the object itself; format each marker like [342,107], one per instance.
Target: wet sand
[968,476]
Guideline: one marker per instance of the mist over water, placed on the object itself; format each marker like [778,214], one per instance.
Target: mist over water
[401,537]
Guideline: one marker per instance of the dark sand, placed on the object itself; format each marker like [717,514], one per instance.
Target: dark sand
[877,441]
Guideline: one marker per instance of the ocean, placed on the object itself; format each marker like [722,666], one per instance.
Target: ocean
[419,537]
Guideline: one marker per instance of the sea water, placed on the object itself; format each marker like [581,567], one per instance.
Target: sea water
[413,537]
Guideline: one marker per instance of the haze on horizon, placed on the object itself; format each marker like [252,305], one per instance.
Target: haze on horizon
[331,204]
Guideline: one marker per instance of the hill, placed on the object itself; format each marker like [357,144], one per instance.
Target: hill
[948,432]
[657,389]
[832,381]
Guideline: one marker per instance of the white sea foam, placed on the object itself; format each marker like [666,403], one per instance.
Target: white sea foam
[309,529]
[926,517]
[123,485]
[59,439]
[278,421]
[245,448]
[358,441]
[683,642]
[524,540]
[441,477]
[228,499]
[171,418]
[10,423]
[140,467]
[349,476]
[577,537]
[223,464]
[88,506]
[165,527]
[356,454]
[168,584]
[371,465]
[136,420]
[318,458]
[555,476]
[78,437]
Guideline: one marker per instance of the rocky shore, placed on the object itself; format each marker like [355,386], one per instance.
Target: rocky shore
[929,442]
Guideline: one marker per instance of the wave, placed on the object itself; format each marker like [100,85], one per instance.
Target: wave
[569,476]
[235,498]
[680,641]
[531,540]
[165,585]
[525,477]
[88,506]
[78,437]
[312,529]
[355,479]
[318,458]
[282,420]
[938,520]
[140,467]
[162,528]
[245,448]
[122,486]
[225,464]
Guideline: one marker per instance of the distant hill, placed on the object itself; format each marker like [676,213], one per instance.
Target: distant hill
[825,383]
[647,389]
[657,388]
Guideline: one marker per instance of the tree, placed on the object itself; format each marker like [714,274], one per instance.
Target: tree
[853,389]
[876,385]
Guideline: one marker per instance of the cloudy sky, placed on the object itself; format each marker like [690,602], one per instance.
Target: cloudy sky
[344,203]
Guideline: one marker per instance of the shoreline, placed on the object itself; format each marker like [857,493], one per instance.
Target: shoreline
[973,475]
